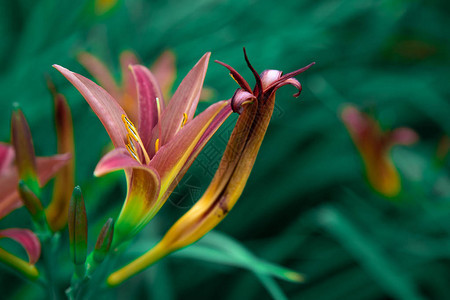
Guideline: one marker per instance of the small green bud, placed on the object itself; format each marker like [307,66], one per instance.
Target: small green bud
[77,220]
[31,202]
[104,241]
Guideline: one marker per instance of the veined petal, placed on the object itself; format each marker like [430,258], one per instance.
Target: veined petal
[240,98]
[143,189]
[128,98]
[165,72]
[100,72]
[128,58]
[143,184]
[212,128]
[116,159]
[27,239]
[184,101]
[105,107]
[56,212]
[268,77]
[24,150]
[6,157]
[148,90]
[171,158]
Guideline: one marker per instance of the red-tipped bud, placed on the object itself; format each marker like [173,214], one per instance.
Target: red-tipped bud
[104,241]
[31,202]
[24,149]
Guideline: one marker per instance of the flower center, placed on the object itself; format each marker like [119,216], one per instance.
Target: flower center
[132,138]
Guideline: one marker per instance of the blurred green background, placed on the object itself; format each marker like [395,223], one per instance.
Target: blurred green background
[307,205]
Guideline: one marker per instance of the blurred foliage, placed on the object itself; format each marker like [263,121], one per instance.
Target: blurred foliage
[307,205]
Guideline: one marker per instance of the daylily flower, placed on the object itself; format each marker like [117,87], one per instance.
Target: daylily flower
[374,146]
[255,108]
[163,70]
[156,152]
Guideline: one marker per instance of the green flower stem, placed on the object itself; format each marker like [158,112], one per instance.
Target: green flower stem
[49,241]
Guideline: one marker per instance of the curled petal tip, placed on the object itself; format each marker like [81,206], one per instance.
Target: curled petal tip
[241,98]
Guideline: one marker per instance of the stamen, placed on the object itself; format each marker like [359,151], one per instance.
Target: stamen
[130,128]
[133,153]
[185,117]
[131,143]
[156,145]
[133,135]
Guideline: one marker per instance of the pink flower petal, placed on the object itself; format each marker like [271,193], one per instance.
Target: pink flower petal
[6,157]
[269,76]
[100,72]
[128,58]
[212,128]
[184,101]
[105,107]
[165,72]
[171,158]
[27,239]
[148,90]
[117,159]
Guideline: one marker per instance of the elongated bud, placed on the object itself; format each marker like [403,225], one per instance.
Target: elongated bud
[64,181]
[78,231]
[31,202]
[104,241]
[24,149]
